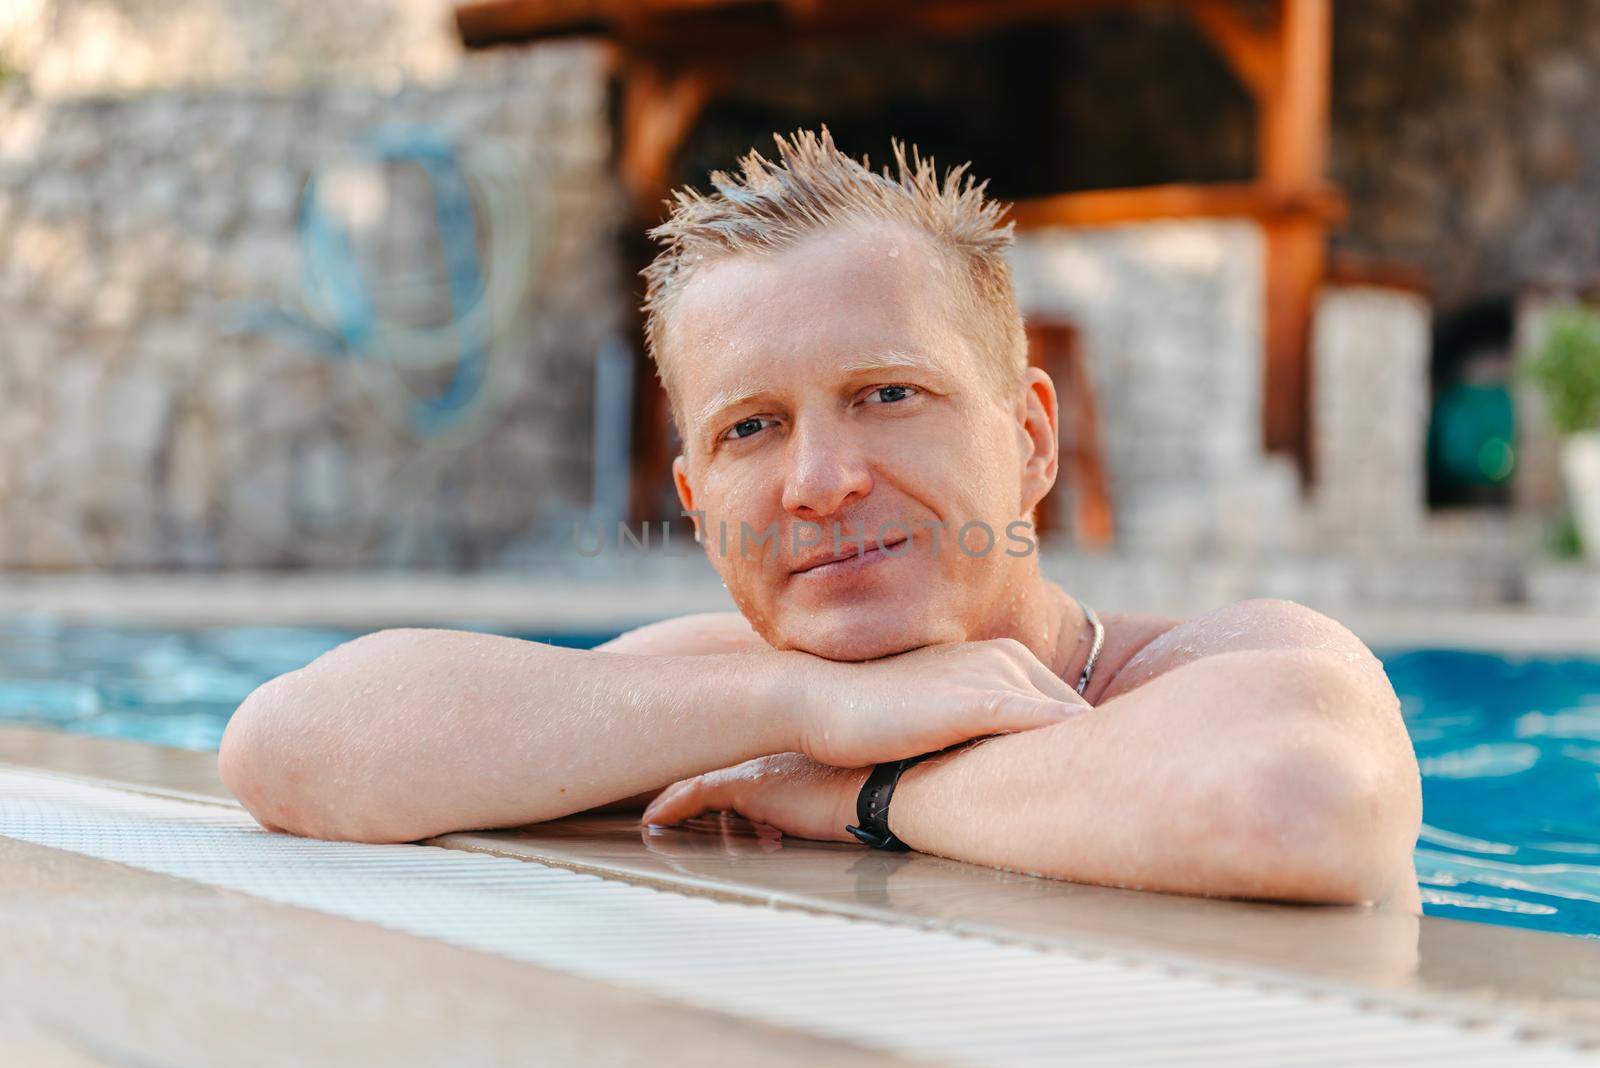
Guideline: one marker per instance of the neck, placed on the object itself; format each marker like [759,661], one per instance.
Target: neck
[1049,622]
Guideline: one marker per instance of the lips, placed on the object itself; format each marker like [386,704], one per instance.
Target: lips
[846,552]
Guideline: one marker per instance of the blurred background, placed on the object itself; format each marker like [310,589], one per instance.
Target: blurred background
[302,289]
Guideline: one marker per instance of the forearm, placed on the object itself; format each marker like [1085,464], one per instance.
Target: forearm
[409,733]
[1245,774]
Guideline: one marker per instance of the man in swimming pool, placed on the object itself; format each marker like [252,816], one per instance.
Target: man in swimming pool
[843,352]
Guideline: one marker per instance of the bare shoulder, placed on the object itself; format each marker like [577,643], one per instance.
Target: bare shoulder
[1126,634]
[1257,623]
[694,635]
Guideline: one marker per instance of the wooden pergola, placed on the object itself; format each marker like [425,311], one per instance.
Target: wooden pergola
[674,56]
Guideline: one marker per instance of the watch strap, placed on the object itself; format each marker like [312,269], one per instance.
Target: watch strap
[872,805]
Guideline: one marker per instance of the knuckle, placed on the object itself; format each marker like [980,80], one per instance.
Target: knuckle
[1011,649]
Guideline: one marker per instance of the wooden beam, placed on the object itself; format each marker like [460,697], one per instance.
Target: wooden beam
[1053,346]
[680,7]
[671,27]
[1355,269]
[1292,151]
[1293,141]
[507,21]
[660,105]
[1109,207]
[1252,53]
[1295,260]
[976,16]
[497,22]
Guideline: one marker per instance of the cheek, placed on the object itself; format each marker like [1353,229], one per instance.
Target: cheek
[963,474]
[733,502]
[739,509]
[735,494]
[991,465]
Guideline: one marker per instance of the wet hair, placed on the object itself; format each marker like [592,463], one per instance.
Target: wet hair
[813,186]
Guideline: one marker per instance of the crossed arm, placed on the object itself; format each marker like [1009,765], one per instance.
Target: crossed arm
[1256,751]
[1277,773]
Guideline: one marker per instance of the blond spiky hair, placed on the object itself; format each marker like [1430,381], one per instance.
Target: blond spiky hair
[771,206]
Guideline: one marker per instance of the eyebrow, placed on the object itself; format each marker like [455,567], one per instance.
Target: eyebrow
[887,360]
[890,360]
[728,398]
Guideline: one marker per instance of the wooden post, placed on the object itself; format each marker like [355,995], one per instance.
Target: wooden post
[1293,148]
[1287,68]
[1054,347]
[660,106]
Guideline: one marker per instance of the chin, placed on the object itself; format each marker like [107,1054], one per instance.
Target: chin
[859,632]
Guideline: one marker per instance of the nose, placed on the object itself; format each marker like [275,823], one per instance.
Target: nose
[826,470]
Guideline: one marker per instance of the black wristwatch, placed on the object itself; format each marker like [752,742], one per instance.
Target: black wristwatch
[872,805]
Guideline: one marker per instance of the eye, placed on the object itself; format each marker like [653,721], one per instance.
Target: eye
[745,428]
[891,394]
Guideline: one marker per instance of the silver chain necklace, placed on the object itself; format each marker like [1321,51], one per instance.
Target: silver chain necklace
[1094,646]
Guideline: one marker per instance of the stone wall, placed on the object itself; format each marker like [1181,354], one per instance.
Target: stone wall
[148,420]
[1170,320]
[64,48]
[1369,356]
[1464,133]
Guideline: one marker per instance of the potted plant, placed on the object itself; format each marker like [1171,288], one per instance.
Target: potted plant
[1567,368]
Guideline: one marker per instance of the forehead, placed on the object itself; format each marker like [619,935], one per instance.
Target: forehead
[837,294]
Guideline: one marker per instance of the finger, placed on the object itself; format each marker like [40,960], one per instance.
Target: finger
[1019,712]
[665,815]
[667,792]
[1054,687]
[664,801]
[687,802]
[1048,683]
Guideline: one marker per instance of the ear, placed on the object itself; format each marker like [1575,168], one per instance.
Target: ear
[1038,435]
[680,480]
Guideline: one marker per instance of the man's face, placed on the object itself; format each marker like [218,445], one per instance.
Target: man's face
[825,386]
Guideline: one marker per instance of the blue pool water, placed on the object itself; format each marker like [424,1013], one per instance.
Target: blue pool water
[1509,748]
[1510,757]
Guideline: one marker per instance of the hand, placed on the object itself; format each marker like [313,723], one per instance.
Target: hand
[868,712]
[789,791]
